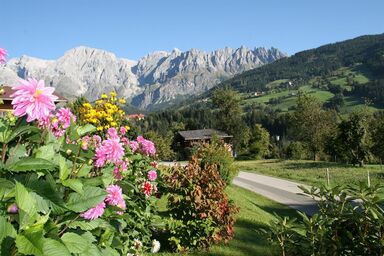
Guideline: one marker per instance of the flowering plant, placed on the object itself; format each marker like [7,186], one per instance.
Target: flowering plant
[65,189]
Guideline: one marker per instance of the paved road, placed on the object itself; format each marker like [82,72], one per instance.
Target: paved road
[279,190]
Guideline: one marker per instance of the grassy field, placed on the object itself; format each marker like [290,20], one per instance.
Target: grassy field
[314,173]
[255,212]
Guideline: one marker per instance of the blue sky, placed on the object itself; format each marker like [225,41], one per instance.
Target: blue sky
[131,29]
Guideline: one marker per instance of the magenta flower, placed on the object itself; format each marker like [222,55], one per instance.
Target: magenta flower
[33,99]
[112,133]
[134,146]
[110,150]
[13,208]
[65,116]
[152,175]
[123,130]
[3,53]
[147,146]
[94,212]
[115,195]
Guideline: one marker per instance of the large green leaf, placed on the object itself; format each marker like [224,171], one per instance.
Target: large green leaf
[74,184]
[6,229]
[83,130]
[53,247]
[20,131]
[75,243]
[6,187]
[30,242]
[82,202]
[32,164]
[15,153]
[63,168]
[47,152]
[90,225]
[27,204]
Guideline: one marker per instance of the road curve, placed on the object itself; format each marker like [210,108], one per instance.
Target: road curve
[282,191]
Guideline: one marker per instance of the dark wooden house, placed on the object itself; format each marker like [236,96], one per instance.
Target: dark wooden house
[191,137]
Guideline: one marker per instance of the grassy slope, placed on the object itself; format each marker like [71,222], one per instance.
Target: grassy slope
[314,173]
[255,212]
[339,78]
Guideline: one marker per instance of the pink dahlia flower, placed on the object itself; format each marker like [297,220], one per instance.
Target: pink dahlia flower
[134,145]
[147,146]
[110,150]
[115,195]
[123,130]
[3,53]
[94,212]
[152,175]
[65,116]
[33,99]
[112,133]
[13,208]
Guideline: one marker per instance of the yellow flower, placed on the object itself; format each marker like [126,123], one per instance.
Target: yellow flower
[113,94]
[87,105]
[99,102]
[99,128]
[113,124]
[104,96]
[122,101]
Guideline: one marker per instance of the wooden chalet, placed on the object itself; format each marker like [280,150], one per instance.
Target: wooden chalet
[192,137]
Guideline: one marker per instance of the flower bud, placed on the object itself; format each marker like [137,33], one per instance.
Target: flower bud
[13,208]
[69,152]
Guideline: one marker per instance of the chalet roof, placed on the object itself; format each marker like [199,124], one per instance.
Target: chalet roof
[203,134]
[8,91]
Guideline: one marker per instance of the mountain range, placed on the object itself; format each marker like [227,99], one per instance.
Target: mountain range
[160,78]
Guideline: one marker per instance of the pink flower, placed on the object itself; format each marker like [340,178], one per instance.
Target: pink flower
[115,196]
[152,175]
[123,130]
[112,133]
[134,145]
[85,142]
[13,208]
[3,53]
[147,188]
[147,146]
[94,212]
[120,167]
[33,99]
[110,150]
[65,116]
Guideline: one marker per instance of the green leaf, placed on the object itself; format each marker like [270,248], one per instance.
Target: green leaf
[27,203]
[63,168]
[6,188]
[32,164]
[15,153]
[75,243]
[46,152]
[83,130]
[30,243]
[82,202]
[90,225]
[53,247]
[74,184]
[6,229]
[84,171]
[20,131]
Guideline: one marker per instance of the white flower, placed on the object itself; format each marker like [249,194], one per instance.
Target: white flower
[137,244]
[155,246]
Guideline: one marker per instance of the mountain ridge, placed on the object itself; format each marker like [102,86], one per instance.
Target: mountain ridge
[158,78]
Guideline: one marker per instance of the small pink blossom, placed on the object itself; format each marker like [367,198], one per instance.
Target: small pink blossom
[13,208]
[112,133]
[152,175]
[115,195]
[65,116]
[147,188]
[147,146]
[33,99]
[123,130]
[134,145]
[3,53]
[94,212]
[120,167]
[110,150]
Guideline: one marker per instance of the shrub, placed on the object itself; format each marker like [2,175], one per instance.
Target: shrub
[64,190]
[350,221]
[219,154]
[296,150]
[200,212]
